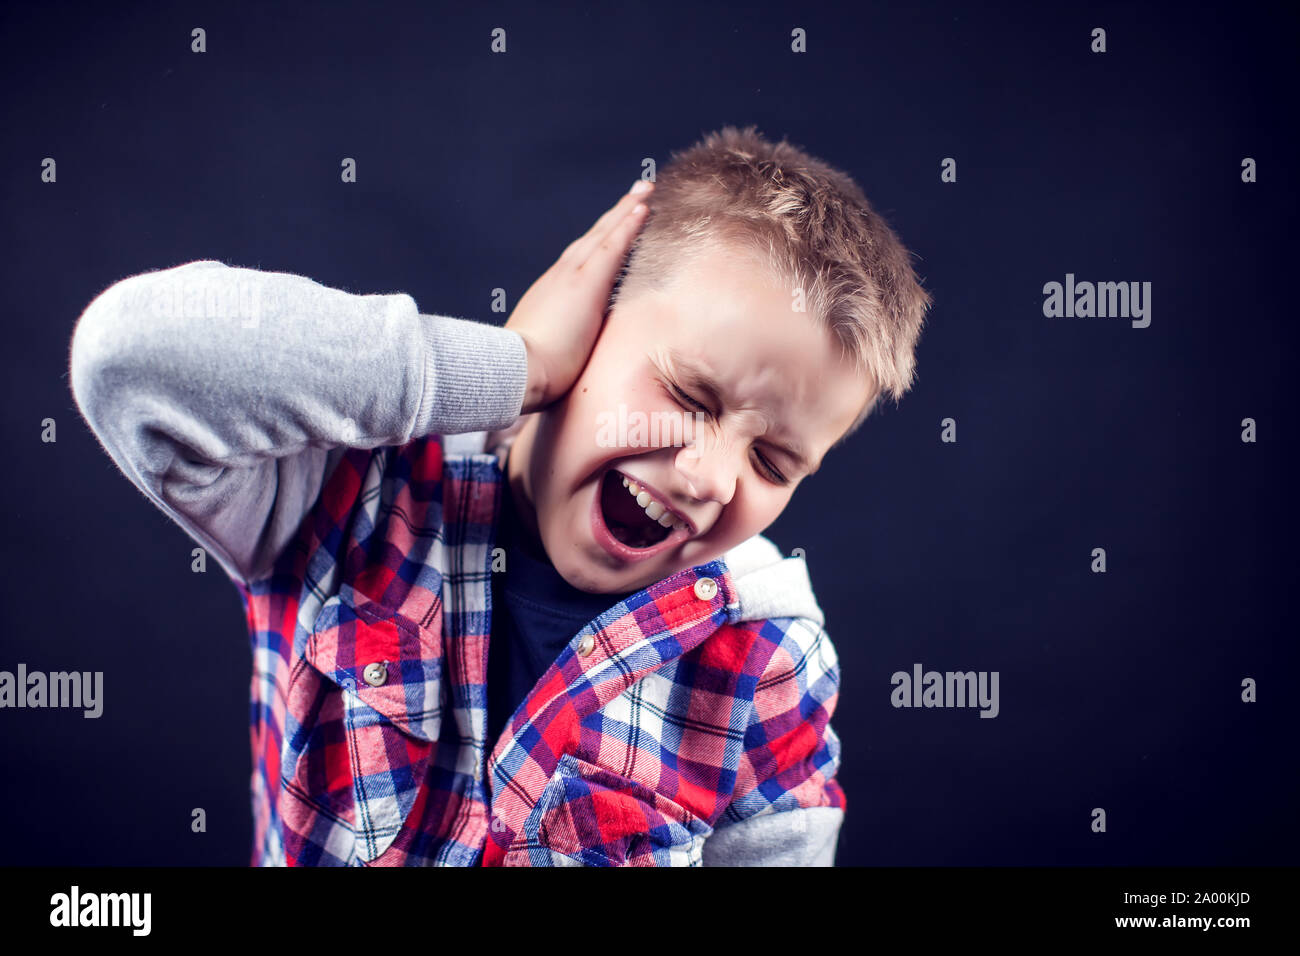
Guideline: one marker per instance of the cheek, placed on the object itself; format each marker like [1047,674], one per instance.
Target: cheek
[619,370]
[604,408]
[758,509]
[611,386]
[577,448]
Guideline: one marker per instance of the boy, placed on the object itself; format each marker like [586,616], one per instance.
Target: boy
[659,685]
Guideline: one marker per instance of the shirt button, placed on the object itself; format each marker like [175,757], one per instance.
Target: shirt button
[586,645]
[706,588]
[375,674]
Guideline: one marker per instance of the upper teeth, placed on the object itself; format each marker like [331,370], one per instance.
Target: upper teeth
[653,508]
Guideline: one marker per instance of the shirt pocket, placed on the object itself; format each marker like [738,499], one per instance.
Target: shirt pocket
[590,816]
[372,731]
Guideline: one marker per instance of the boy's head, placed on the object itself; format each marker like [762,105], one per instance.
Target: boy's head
[764,311]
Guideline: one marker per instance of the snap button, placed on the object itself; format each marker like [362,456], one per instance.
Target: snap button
[375,674]
[586,645]
[706,588]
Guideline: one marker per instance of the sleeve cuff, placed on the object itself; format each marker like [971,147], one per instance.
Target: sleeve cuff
[475,375]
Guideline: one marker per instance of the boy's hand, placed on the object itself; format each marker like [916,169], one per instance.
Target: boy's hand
[560,315]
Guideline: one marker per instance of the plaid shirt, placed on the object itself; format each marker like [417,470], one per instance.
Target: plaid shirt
[696,710]
[292,430]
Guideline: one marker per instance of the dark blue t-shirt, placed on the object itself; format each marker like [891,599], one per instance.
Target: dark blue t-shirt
[535,613]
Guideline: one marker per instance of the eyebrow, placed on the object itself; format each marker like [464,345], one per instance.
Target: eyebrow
[702,381]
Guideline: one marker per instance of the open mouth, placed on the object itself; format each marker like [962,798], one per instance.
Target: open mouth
[628,521]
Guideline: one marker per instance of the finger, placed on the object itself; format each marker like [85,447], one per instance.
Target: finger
[581,247]
[607,256]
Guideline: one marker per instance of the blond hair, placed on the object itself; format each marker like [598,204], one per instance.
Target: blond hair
[811,225]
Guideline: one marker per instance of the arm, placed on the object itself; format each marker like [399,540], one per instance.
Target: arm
[788,806]
[226,394]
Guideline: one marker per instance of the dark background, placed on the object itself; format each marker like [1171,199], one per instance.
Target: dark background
[1118,690]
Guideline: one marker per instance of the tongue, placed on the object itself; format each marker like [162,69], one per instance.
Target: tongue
[627,520]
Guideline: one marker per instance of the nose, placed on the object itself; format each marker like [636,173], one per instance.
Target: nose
[709,471]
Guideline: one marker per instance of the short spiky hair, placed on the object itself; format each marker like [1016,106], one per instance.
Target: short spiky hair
[814,228]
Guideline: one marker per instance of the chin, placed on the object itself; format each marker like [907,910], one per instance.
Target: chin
[580,576]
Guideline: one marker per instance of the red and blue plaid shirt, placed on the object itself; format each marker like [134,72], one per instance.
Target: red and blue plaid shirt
[667,721]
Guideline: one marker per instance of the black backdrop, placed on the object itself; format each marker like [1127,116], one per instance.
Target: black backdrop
[1119,690]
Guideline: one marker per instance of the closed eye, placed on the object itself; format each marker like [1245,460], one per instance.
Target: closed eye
[773,473]
[687,400]
[769,471]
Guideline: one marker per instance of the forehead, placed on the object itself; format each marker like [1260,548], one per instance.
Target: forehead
[725,316]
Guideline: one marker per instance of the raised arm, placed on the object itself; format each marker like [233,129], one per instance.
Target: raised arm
[227,394]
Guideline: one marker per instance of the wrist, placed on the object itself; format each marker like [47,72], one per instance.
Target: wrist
[535,387]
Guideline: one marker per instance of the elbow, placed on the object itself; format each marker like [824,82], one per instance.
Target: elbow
[128,327]
[100,349]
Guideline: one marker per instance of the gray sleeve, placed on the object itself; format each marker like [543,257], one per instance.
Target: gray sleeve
[802,837]
[226,394]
